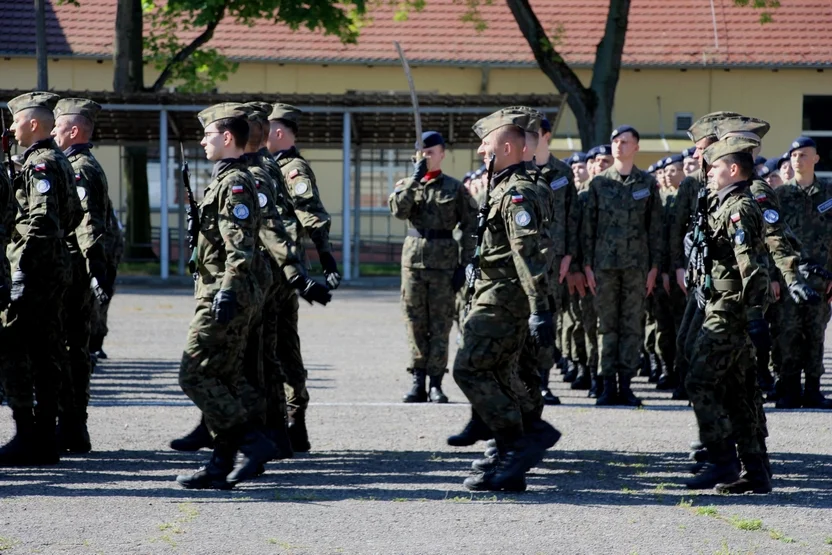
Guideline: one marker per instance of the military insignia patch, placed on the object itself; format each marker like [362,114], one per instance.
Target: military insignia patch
[237,189]
[559,183]
[771,216]
[516,199]
[240,211]
[263,200]
[523,218]
[735,217]
[761,197]
[257,184]
[641,194]
[293,174]
[82,193]
[739,237]
[301,187]
[77,177]
[795,145]
[43,186]
[825,206]
[40,167]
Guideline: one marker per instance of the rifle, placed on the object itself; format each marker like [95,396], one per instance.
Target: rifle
[482,224]
[699,264]
[191,212]
[7,145]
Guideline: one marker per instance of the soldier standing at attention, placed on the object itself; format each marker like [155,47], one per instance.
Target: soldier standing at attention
[74,121]
[211,372]
[622,243]
[784,166]
[433,263]
[771,173]
[48,208]
[805,207]
[580,175]
[690,165]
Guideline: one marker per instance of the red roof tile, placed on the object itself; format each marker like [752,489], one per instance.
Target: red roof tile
[661,32]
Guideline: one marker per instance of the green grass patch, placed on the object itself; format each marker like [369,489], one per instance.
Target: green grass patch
[779,536]
[685,503]
[710,510]
[747,524]
[7,543]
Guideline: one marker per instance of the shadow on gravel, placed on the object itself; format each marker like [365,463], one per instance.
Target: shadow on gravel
[566,477]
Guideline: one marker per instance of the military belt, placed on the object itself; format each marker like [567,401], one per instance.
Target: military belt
[430,234]
[507,272]
[727,284]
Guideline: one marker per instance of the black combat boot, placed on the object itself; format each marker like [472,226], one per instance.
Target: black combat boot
[655,369]
[21,450]
[73,435]
[46,436]
[765,380]
[509,472]
[596,388]
[214,474]
[723,467]
[540,435]
[256,450]
[436,395]
[754,479]
[298,435]
[789,395]
[644,366]
[279,435]
[561,362]
[668,380]
[475,430]
[198,438]
[549,398]
[609,396]
[812,396]
[625,393]
[584,380]
[571,373]
[417,393]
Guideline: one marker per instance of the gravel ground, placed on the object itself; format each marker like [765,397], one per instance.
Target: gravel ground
[380,477]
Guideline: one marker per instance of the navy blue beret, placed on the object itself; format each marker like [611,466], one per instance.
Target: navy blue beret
[432,138]
[625,129]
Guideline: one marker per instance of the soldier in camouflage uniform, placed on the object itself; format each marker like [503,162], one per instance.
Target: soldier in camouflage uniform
[312,221]
[48,208]
[433,263]
[737,296]
[227,293]
[621,238]
[114,248]
[805,204]
[74,121]
[510,300]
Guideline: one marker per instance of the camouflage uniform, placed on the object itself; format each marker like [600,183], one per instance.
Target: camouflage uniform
[589,317]
[114,247]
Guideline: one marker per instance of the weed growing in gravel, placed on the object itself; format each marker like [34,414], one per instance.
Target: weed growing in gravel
[459,499]
[7,543]
[707,511]
[828,541]
[748,524]
[189,512]
[685,503]
[777,535]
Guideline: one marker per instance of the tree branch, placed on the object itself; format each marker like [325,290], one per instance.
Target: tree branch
[183,54]
[607,67]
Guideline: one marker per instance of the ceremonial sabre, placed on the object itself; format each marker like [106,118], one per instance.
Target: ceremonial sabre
[413,98]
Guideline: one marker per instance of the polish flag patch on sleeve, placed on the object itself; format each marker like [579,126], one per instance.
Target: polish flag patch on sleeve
[40,167]
[517,199]
[236,189]
[293,174]
[735,217]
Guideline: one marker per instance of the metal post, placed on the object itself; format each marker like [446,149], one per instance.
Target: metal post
[164,238]
[346,212]
[356,259]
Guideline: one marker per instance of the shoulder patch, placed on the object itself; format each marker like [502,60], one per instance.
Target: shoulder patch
[522,218]
[735,217]
[294,173]
[257,184]
[237,189]
[516,199]
[761,197]
[262,199]
[301,187]
[641,193]
[82,192]
[825,206]
[77,177]
[43,186]
[40,167]
[559,183]
[739,237]
[240,211]
[771,216]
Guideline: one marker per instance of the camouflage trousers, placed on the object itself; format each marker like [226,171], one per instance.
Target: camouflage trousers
[285,327]
[526,380]
[273,376]
[619,303]
[428,305]
[774,317]
[589,319]
[575,338]
[649,324]
[484,368]
[254,354]
[802,331]
[78,308]
[722,385]
[211,373]
[686,334]
[668,309]
[98,317]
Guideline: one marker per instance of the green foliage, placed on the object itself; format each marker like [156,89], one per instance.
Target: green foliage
[765,7]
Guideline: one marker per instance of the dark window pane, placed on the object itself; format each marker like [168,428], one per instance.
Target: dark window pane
[817,113]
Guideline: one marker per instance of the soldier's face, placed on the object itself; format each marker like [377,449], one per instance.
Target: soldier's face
[701,145]
[23,128]
[691,165]
[673,175]
[579,172]
[624,146]
[774,180]
[722,174]
[803,160]
[602,162]
[64,132]
[215,142]
[786,170]
[434,156]
[660,177]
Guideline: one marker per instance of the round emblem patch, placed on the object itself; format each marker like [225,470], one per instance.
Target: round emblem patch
[240,211]
[43,186]
[82,193]
[263,200]
[301,187]
[522,218]
[771,216]
[795,145]
[739,237]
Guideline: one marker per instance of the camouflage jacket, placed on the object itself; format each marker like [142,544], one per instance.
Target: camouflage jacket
[48,208]
[668,214]
[303,194]
[559,178]
[622,222]
[8,211]
[782,245]
[282,200]
[511,250]
[439,204]
[91,186]
[808,215]
[684,209]
[229,218]
[739,268]
[114,238]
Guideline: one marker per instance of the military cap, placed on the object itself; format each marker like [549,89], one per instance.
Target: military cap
[285,112]
[772,166]
[37,99]
[727,146]
[704,126]
[535,118]
[546,125]
[221,111]
[675,159]
[620,130]
[651,169]
[688,152]
[257,108]
[77,107]
[604,150]
[759,160]
[467,176]
[802,142]
[432,138]
[577,158]
[785,157]
[502,118]
[591,153]
[659,165]
[745,126]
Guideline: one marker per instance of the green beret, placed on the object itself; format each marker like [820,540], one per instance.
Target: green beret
[502,118]
[704,126]
[742,126]
[286,112]
[728,145]
[220,111]
[77,107]
[37,99]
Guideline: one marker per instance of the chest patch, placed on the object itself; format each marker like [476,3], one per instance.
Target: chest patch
[43,186]
[82,193]
[739,237]
[301,187]
[240,211]
[771,216]
[641,194]
[825,206]
[262,199]
[522,218]
[559,183]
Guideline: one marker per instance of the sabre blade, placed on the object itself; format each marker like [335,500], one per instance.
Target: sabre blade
[413,98]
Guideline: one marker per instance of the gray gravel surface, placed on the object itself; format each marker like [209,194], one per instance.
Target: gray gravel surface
[380,477]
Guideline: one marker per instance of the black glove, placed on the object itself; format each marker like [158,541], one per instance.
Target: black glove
[5,297]
[803,294]
[310,290]
[759,334]
[18,280]
[333,276]
[459,278]
[224,306]
[420,169]
[98,281]
[542,328]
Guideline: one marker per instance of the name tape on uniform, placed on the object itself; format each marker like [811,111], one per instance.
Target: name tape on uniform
[559,183]
[641,194]
[825,206]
